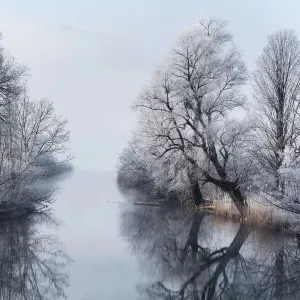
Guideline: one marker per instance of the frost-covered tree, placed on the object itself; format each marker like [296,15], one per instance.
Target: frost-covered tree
[135,167]
[33,139]
[30,131]
[186,108]
[276,88]
[39,131]
[161,179]
[12,81]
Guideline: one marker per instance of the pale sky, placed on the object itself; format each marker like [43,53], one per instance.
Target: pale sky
[93,57]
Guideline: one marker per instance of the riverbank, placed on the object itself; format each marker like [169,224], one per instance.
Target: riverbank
[261,214]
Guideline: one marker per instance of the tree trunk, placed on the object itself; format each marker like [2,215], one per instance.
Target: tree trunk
[232,252]
[239,200]
[192,241]
[233,190]
[196,191]
[279,274]
[298,240]
[197,195]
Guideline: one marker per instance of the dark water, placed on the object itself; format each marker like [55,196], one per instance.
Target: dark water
[115,251]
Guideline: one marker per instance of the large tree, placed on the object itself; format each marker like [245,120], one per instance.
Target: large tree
[276,88]
[187,106]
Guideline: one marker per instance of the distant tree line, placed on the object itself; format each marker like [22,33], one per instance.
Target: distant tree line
[197,132]
[33,139]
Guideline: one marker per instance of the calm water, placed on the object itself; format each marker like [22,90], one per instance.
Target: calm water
[120,251]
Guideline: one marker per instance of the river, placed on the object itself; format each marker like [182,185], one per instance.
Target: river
[106,249]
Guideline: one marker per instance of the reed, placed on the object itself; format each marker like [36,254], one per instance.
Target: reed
[260,214]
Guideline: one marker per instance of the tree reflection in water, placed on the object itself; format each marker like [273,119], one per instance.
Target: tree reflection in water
[32,265]
[192,255]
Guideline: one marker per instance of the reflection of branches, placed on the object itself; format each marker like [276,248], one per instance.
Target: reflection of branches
[182,251]
[31,265]
[192,241]
[223,259]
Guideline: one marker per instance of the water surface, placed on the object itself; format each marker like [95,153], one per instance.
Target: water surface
[122,251]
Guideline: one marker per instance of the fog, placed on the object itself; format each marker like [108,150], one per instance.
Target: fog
[92,59]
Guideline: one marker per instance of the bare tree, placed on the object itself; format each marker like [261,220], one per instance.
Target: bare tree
[12,80]
[39,131]
[32,138]
[134,169]
[29,130]
[186,107]
[276,88]
[31,135]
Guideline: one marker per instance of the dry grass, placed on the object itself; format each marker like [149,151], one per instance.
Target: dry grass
[260,214]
